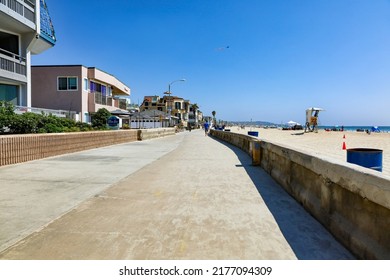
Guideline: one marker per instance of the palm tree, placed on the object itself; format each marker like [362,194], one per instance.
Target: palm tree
[214,113]
[195,107]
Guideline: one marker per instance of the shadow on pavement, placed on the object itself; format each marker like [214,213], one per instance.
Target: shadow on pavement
[307,237]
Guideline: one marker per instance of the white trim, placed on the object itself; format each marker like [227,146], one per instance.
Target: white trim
[28,73]
[85,84]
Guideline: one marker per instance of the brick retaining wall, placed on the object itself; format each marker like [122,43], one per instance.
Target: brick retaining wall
[21,148]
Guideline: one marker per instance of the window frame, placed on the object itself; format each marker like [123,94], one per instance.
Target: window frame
[69,87]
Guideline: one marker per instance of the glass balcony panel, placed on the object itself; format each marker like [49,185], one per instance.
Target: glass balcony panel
[47,29]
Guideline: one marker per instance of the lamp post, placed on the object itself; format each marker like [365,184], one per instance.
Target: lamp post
[169,97]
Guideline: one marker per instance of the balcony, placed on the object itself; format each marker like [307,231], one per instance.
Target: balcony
[110,103]
[13,66]
[25,8]
[46,38]
[102,100]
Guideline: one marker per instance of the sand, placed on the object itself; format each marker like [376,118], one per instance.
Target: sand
[327,143]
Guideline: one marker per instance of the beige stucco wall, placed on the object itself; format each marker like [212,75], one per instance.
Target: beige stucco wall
[353,203]
[119,87]
[45,93]
[84,94]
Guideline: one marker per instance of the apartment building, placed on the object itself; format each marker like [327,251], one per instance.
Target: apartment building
[154,103]
[182,111]
[77,88]
[25,29]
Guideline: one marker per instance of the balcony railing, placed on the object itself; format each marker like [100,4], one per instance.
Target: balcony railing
[24,8]
[122,104]
[109,101]
[102,99]
[12,62]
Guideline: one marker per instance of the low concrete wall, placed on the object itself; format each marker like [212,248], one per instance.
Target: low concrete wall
[145,134]
[352,202]
[21,148]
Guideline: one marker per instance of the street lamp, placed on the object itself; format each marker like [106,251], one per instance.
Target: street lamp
[169,96]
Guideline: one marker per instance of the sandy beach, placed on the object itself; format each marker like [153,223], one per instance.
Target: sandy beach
[326,143]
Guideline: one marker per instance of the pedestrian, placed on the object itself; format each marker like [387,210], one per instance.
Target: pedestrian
[206,128]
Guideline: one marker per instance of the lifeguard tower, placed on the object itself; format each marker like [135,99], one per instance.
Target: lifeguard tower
[312,119]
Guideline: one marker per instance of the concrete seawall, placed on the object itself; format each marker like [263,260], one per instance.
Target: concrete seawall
[21,148]
[352,202]
[145,134]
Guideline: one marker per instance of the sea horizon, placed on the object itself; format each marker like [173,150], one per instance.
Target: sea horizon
[355,128]
[360,128]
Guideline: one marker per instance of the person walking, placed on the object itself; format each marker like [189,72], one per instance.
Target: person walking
[206,128]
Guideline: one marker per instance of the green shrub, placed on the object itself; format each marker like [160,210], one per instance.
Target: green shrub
[13,123]
[25,123]
[71,129]
[6,115]
[52,128]
[84,126]
[99,119]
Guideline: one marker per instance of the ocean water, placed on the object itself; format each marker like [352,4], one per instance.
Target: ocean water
[385,129]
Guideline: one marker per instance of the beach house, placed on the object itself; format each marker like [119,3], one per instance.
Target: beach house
[25,29]
[77,88]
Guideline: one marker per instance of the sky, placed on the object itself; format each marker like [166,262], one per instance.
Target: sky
[260,60]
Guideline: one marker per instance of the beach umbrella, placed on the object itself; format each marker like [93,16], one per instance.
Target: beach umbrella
[375,129]
[292,123]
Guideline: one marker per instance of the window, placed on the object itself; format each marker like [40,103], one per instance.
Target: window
[85,84]
[62,83]
[67,83]
[95,87]
[9,93]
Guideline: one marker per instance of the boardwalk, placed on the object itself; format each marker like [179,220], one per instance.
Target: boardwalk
[181,197]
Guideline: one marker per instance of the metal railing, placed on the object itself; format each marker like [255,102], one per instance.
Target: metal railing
[24,8]
[122,104]
[12,62]
[58,113]
[109,100]
[102,99]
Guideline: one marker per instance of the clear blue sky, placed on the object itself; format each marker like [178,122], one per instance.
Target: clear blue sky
[283,57]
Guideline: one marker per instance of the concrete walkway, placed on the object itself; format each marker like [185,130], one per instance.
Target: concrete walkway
[181,197]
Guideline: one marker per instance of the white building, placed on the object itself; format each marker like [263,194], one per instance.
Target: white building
[25,29]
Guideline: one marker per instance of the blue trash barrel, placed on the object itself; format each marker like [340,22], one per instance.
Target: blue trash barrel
[366,157]
[253,133]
